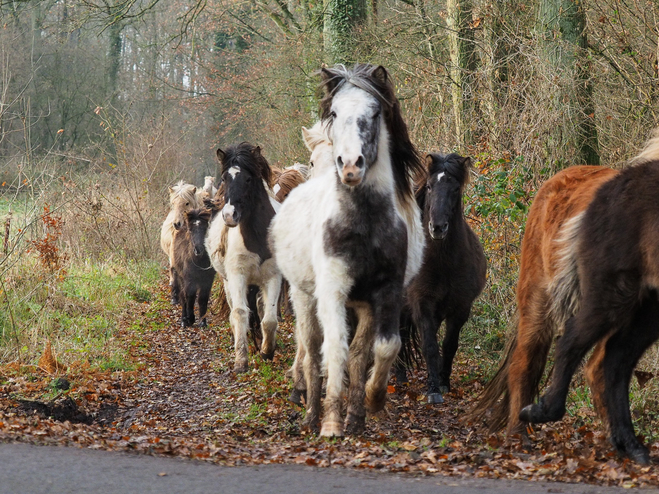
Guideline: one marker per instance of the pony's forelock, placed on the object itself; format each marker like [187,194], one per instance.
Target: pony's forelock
[376,81]
[248,157]
[183,191]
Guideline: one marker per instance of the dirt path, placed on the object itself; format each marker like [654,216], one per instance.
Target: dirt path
[183,400]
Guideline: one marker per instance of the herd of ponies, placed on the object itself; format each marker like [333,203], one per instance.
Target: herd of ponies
[371,243]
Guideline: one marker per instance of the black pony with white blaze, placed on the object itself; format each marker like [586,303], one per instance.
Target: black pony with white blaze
[352,238]
[453,271]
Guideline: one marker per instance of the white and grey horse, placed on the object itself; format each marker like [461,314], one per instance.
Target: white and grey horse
[352,238]
[238,248]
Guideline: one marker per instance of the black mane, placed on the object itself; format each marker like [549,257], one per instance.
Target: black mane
[375,80]
[248,157]
[452,164]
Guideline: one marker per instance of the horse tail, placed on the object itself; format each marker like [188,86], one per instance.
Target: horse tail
[651,150]
[564,290]
[408,355]
[495,396]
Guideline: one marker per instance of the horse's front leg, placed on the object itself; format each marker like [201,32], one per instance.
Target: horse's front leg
[359,354]
[387,304]
[269,322]
[309,340]
[454,324]
[236,290]
[332,288]
[424,318]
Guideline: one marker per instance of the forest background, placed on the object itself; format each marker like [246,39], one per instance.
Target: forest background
[105,103]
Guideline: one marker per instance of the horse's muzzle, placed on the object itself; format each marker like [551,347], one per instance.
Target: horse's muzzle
[352,175]
[230,216]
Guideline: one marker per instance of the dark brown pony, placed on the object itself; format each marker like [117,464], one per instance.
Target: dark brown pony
[452,274]
[193,273]
[590,264]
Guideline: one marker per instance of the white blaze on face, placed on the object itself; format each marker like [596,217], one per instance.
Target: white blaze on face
[227,212]
[276,188]
[233,171]
[440,176]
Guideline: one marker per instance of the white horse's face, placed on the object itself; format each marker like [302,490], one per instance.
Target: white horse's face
[355,132]
[322,158]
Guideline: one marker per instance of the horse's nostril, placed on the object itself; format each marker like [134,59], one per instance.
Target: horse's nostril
[177,225]
[339,161]
[444,228]
[350,175]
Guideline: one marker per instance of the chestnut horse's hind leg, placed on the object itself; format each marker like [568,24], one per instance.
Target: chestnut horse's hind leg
[604,307]
[529,356]
[360,350]
[623,350]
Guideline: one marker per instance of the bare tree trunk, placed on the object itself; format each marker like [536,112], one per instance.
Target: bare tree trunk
[463,67]
[342,17]
[563,28]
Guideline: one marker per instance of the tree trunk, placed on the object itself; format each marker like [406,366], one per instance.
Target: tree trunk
[342,17]
[463,67]
[563,29]
[497,48]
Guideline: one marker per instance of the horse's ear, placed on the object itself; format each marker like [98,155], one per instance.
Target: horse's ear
[171,189]
[380,73]
[466,166]
[428,160]
[329,80]
[306,137]
[220,155]
[257,151]
[194,189]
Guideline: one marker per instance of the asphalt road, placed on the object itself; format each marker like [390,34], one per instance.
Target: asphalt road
[44,469]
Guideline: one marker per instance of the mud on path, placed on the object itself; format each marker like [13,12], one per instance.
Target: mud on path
[184,400]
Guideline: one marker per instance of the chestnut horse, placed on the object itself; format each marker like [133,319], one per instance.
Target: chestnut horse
[590,266]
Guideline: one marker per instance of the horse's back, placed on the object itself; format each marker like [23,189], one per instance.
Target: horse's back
[562,197]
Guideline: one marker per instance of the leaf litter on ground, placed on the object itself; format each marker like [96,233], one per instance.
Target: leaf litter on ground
[182,399]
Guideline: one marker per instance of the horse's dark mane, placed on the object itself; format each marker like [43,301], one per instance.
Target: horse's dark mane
[452,164]
[249,157]
[375,80]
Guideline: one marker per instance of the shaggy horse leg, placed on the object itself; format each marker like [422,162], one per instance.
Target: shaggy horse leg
[189,295]
[333,319]
[357,362]
[269,321]
[594,373]
[581,332]
[386,317]
[175,286]
[204,296]
[528,359]
[236,290]
[299,393]
[623,350]
[454,324]
[426,322]
[309,340]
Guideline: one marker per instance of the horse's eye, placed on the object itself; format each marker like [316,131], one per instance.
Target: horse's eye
[311,164]
[333,114]
[248,179]
[187,203]
[428,186]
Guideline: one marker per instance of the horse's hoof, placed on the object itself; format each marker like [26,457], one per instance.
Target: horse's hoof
[186,323]
[310,425]
[203,323]
[375,401]
[640,455]
[434,398]
[444,389]
[240,368]
[268,356]
[538,413]
[175,301]
[401,376]
[332,429]
[355,425]
[289,373]
[298,397]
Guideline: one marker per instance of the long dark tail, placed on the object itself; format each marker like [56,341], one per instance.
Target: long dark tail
[494,397]
[409,355]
